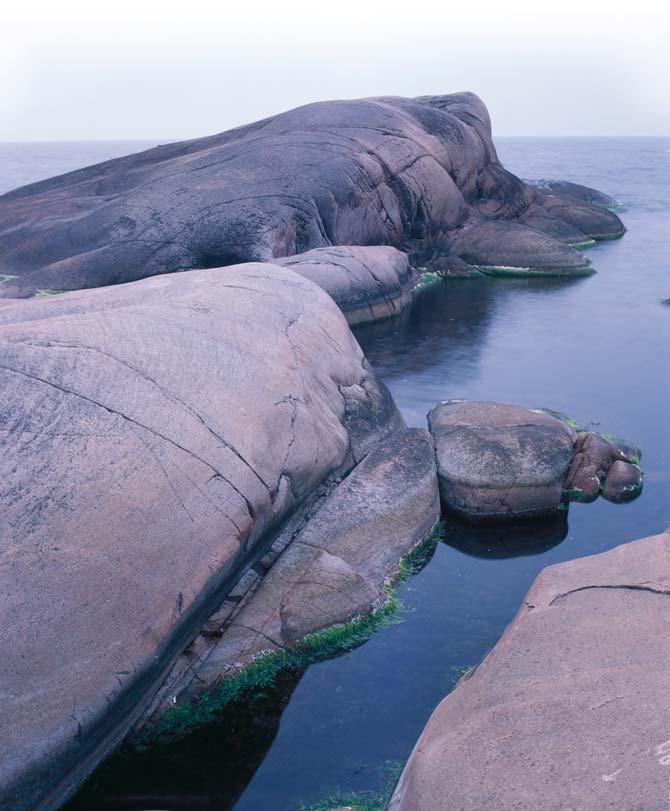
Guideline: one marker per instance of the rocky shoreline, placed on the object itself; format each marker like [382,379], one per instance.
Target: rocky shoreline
[201,468]
[336,565]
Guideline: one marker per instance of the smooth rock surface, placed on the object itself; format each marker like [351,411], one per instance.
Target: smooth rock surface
[337,566]
[509,249]
[367,283]
[499,461]
[570,709]
[409,173]
[153,435]
[574,192]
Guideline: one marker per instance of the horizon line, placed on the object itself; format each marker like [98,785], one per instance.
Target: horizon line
[161,141]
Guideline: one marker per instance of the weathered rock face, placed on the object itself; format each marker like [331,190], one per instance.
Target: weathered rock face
[498,461]
[570,709]
[417,174]
[153,435]
[337,565]
[367,283]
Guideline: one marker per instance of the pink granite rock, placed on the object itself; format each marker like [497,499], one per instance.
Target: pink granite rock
[418,174]
[570,710]
[154,435]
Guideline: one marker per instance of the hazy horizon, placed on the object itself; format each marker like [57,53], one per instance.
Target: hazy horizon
[79,72]
[161,141]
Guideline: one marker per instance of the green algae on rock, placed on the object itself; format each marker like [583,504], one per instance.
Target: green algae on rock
[314,647]
[505,270]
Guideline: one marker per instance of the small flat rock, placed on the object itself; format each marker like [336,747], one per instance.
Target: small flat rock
[499,461]
[570,709]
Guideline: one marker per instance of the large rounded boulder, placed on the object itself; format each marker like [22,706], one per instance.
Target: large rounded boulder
[154,436]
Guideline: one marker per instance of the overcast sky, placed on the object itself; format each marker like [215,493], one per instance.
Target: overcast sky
[73,70]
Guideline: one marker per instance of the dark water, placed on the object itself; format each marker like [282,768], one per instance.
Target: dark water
[596,348]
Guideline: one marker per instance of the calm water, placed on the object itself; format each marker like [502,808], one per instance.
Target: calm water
[596,348]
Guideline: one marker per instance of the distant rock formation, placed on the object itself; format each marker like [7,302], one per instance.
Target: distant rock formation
[570,709]
[421,175]
[157,434]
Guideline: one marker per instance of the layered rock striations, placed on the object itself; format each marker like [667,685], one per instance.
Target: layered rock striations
[421,175]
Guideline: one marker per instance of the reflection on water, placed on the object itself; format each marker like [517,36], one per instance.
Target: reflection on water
[508,540]
[209,769]
[594,348]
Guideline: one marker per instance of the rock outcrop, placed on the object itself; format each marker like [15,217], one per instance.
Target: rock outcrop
[155,435]
[570,709]
[367,283]
[337,566]
[499,461]
[418,174]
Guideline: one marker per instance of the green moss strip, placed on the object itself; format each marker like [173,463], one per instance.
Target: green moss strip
[5,277]
[428,279]
[504,270]
[574,494]
[43,293]
[315,647]
[362,800]
[357,801]
[589,243]
[603,237]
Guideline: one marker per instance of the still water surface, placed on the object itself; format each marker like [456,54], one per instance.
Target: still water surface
[596,348]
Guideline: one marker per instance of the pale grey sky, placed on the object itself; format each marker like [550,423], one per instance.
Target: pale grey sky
[75,70]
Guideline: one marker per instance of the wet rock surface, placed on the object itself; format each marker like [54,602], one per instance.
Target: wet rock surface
[367,283]
[156,434]
[499,461]
[417,174]
[570,709]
